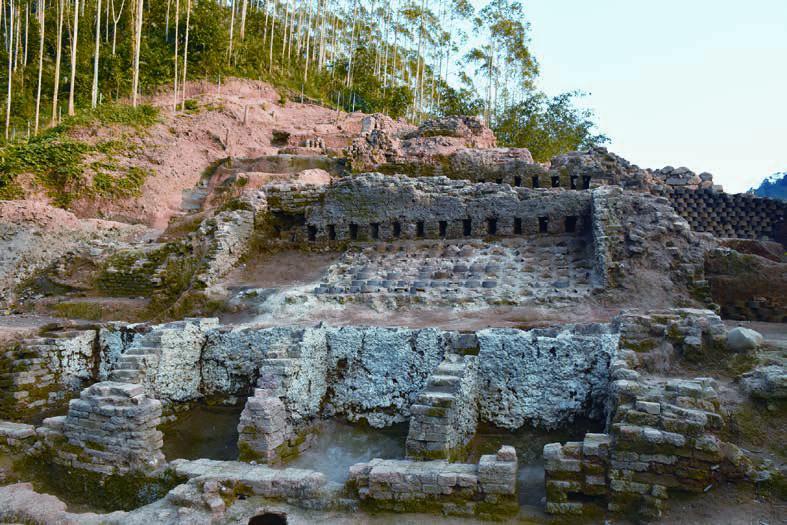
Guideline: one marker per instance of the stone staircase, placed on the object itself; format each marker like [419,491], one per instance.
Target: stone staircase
[445,415]
[143,352]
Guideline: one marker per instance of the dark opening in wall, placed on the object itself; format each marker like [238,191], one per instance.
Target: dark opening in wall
[467,227]
[517,226]
[574,182]
[543,224]
[375,229]
[269,518]
[491,226]
[443,229]
[555,181]
[586,182]
[517,181]
[499,181]
[331,232]
[536,181]
[397,229]
[312,230]
[419,229]
[571,224]
[354,232]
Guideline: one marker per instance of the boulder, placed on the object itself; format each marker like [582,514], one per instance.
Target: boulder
[767,382]
[743,339]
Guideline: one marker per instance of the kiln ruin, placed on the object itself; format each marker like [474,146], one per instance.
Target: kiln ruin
[436,326]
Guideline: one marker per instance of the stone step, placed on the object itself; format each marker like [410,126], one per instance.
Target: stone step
[438,399]
[450,369]
[131,361]
[441,383]
[142,350]
[129,376]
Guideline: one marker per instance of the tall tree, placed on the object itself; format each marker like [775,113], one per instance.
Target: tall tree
[74,42]
[137,45]
[41,33]
[61,13]
[94,91]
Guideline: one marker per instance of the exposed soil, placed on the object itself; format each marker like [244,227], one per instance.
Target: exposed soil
[236,120]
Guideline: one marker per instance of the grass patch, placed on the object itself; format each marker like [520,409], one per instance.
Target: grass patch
[84,311]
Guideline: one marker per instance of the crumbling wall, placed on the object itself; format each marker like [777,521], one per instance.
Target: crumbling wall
[376,373]
[642,245]
[41,372]
[544,377]
[661,434]
[445,415]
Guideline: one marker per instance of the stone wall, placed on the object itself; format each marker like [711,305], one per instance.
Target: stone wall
[726,215]
[637,234]
[374,207]
[40,373]
[661,434]
[109,430]
[16,438]
[487,489]
[365,373]
[544,377]
[276,421]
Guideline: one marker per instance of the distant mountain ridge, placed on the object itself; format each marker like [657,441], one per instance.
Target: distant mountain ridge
[774,187]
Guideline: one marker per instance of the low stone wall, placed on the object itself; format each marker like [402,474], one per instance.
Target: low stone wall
[238,478]
[487,489]
[730,215]
[109,430]
[16,438]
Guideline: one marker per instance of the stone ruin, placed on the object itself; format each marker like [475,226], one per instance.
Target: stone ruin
[498,293]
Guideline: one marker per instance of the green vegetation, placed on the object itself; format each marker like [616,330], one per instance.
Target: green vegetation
[83,311]
[407,59]
[59,162]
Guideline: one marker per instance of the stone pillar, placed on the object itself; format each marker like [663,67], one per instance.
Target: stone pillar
[110,429]
[445,415]
[263,427]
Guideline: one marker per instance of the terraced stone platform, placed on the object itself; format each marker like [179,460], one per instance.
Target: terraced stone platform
[508,271]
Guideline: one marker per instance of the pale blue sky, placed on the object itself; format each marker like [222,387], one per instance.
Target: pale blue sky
[696,83]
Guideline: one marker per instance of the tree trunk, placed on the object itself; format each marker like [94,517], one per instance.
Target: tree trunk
[177,58]
[94,92]
[58,55]
[186,53]
[242,33]
[10,70]
[137,45]
[74,40]
[41,34]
